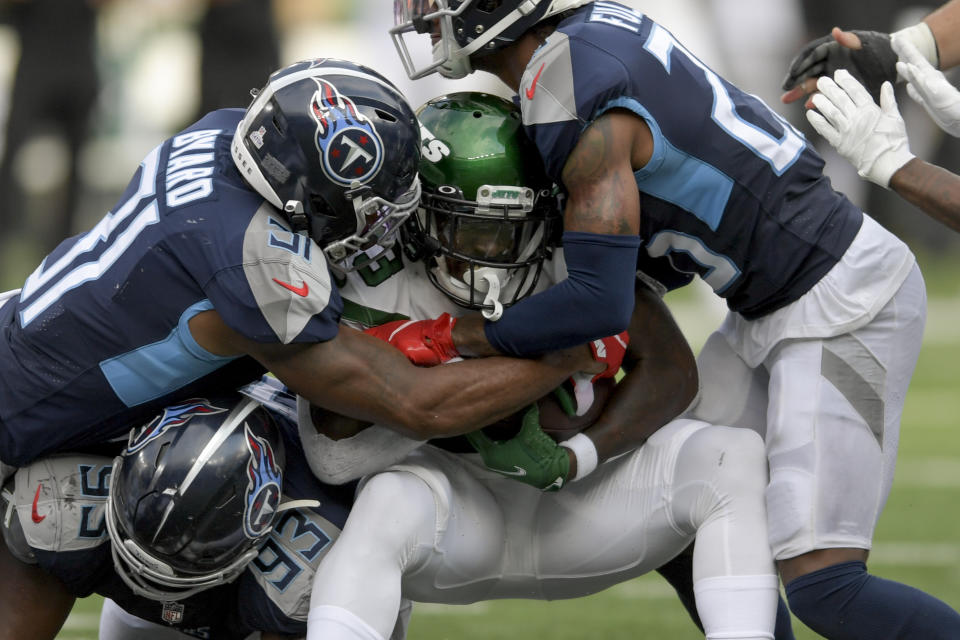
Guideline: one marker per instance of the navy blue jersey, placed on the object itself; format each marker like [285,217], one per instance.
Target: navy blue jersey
[98,339]
[272,594]
[732,193]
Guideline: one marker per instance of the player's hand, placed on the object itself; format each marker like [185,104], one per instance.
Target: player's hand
[929,87]
[424,342]
[609,351]
[865,54]
[872,138]
[531,456]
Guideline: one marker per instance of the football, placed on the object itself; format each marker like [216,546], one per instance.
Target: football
[560,426]
[553,418]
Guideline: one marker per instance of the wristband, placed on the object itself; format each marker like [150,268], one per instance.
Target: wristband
[585,452]
[920,36]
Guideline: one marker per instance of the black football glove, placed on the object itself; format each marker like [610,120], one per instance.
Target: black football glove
[872,65]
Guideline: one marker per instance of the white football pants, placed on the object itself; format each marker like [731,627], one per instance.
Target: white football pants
[441,528]
[829,410]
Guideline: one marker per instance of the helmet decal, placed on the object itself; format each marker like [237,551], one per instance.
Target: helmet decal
[263,491]
[174,416]
[351,151]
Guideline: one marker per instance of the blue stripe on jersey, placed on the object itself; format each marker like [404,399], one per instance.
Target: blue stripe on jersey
[677,177]
[160,368]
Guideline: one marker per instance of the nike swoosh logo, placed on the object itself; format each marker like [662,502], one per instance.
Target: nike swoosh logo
[558,483]
[518,472]
[37,518]
[301,291]
[533,86]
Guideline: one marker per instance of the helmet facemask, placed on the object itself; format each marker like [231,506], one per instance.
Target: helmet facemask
[460,29]
[378,225]
[151,577]
[489,252]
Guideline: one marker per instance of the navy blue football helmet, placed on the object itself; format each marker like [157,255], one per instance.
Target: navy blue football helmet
[466,28]
[193,496]
[334,145]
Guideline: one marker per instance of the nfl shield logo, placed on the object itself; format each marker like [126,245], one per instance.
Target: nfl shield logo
[172,613]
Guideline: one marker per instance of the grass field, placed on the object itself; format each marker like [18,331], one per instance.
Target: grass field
[918,540]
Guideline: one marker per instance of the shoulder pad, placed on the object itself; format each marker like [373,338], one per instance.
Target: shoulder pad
[61,502]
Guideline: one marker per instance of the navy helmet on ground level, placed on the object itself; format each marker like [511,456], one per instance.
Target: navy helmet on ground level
[194,495]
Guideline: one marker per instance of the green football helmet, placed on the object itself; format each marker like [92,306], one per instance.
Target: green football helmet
[487,210]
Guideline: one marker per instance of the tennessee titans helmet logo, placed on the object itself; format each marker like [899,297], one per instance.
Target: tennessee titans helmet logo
[351,151]
[263,490]
[174,416]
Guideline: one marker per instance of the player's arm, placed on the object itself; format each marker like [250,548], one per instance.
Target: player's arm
[601,226]
[362,377]
[874,139]
[932,189]
[660,384]
[33,603]
[945,25]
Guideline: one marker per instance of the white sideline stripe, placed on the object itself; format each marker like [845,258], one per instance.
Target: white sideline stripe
[942,326]
[937,473]
[432,609]
[916,554]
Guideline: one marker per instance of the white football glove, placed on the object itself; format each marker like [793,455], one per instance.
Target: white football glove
[929,87]
[872,138]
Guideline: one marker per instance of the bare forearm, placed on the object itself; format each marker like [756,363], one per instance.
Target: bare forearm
[660,383]
[945,25]
[462,397]
[470,339]
[933,189]
[367,379]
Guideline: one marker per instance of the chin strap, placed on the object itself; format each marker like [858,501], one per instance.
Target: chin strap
[298,504]
[492,307]
[298,219]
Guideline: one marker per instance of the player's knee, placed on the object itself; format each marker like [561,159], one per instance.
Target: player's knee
[396,507]
[735,458]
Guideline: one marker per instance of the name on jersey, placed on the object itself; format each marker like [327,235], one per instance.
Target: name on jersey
[617,16]
[190,167]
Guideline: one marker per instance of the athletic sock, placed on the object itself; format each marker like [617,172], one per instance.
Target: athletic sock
[844,602]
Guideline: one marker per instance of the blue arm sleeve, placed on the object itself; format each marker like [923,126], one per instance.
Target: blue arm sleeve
[595,301]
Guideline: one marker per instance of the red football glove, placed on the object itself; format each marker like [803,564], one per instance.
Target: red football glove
[424,342]
[609,351]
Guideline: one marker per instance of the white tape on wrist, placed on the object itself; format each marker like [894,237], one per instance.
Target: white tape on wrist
[922,38]
[585,452]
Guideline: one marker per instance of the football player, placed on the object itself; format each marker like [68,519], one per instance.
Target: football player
[669,168]
[216,266]
[209,524]
[461,528]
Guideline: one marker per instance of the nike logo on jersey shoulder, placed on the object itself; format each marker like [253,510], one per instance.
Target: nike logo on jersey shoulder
[301,291]
[519,472]
[532,89]
[37,518]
